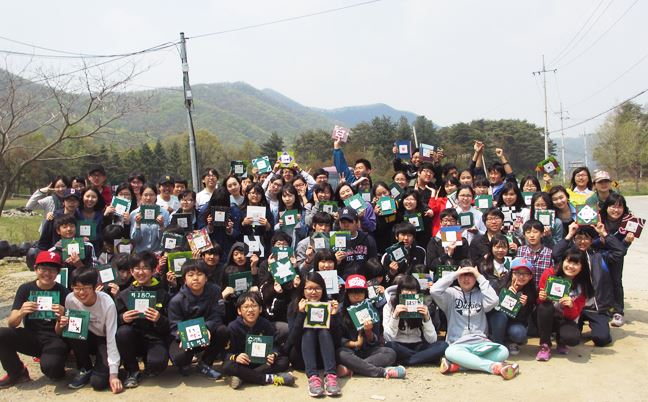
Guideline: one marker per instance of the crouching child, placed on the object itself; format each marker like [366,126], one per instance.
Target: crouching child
[197,298]
[101,333]
[143,334]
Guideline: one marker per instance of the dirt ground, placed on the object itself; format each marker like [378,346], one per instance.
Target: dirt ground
[588,373]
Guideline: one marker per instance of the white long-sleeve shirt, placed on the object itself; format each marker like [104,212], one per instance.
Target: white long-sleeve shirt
[103,322]
[408,335]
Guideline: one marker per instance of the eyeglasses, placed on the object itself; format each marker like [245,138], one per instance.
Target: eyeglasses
[79,289]
[140,269]
[449,221]
[313,290]
[521,273]
[249,307]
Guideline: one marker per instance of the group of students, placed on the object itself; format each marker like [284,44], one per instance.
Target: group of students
[464,303]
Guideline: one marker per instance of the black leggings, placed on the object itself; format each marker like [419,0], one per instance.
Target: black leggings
[567,331]
[95,345]
[132,343]
[255,374]
[50,348]
[219,340]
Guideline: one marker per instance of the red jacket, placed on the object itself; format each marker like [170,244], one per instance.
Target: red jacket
[437,205]
[106,194]
[570,313]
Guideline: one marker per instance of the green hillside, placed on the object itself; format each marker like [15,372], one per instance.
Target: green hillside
[233,111]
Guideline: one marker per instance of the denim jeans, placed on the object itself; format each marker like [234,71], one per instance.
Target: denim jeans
[314,341]
[411,354]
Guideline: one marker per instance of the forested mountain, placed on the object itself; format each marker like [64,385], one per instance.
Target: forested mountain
[237,112]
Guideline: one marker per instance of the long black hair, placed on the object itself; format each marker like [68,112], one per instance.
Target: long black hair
[299,294]
[536,196]
[487,266]
[510,186]
[581,280]
[406,282]
[613,199]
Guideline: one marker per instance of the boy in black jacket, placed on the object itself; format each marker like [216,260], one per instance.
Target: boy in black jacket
[37,337]
[237,362]
[143,336]
[436,254]
[65,227]
[360,248]
[197,298]
[405,233]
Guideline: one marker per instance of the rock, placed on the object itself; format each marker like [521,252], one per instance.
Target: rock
[24,248]
[13,251]
[5,248]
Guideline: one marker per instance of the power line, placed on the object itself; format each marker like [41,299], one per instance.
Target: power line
[298,17]
[602,113]
[80,69]
[558,88]
[156,48]
[564,51]
[602,35]
[76,55]
[611,82]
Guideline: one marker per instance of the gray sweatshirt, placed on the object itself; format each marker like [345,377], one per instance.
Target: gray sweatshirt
[466,311]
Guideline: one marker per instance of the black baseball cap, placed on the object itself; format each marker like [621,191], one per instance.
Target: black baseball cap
[348,214]
[167,179]
[97,168]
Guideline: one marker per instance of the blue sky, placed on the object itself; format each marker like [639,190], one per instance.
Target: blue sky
[451,61]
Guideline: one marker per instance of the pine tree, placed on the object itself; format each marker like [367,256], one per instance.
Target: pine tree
[272,146]
[175,160]
[161,162]
[147,164]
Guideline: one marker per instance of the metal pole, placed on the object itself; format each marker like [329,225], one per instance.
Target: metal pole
[546,138]
[188,97]
[544,72]
[415,139]
[585,143]
[562,140]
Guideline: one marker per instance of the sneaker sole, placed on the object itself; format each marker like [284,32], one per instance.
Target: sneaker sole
[511,372]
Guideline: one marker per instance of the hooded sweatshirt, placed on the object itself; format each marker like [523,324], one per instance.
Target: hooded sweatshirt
[156,330]
[466,311]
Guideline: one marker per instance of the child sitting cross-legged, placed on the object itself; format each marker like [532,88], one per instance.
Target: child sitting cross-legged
[238,363]
[466,305]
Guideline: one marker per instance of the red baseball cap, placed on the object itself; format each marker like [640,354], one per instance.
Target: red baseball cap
[49,258]
[356,282]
